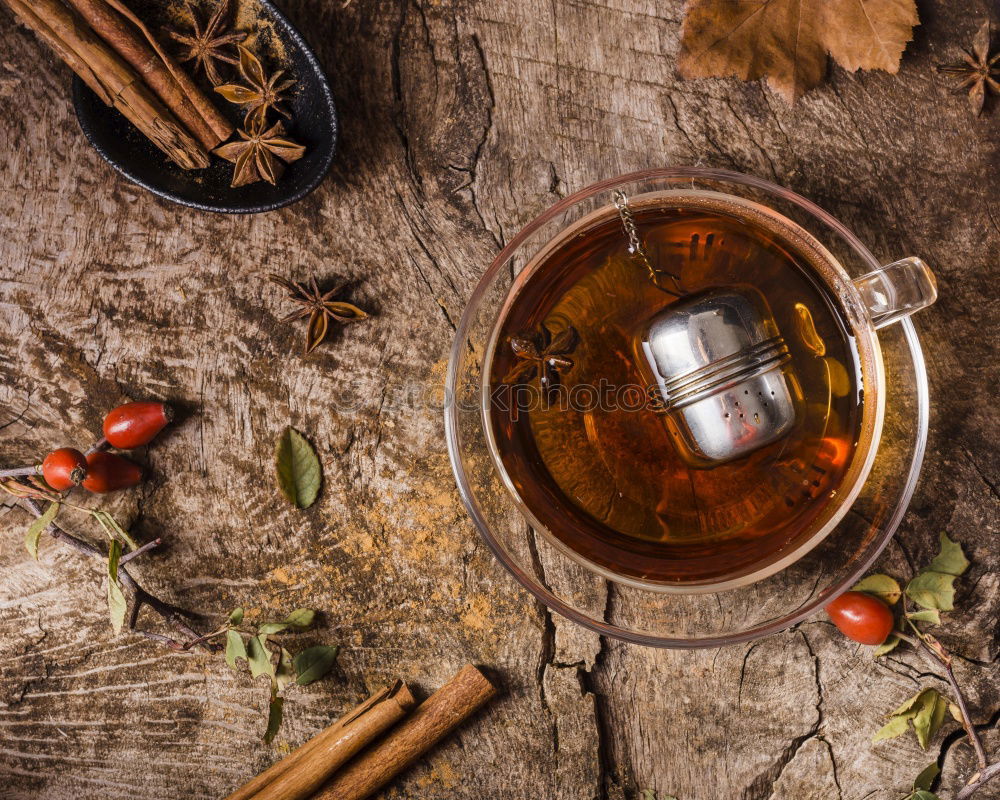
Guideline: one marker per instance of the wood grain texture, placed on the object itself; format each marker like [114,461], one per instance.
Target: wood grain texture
[462,119]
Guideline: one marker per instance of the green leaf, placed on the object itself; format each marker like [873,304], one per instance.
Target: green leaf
[272,627]
[117,606]
[926,710]
[923,794]
[951,560]
[297,468]
[300,618]
[236,616]
[881,586]
[933,590]
[887,646]
[314,663]
[235,648]
[894,727]
[37,527]
[929,718]
[273,718]
[931,615]
[940,712]
[912,705]
[259,657]
[926,776]
[285,673]
[112,528]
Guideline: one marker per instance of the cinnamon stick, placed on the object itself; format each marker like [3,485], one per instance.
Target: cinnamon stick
[68,56]
[435,718]
[132,40]
[109,77]
[303,770]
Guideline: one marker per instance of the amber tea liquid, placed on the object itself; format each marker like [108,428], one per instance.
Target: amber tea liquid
[594,463]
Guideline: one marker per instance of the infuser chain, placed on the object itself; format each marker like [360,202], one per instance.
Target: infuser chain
[637,251]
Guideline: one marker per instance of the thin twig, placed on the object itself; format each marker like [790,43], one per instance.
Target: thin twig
[970,728]
[173,644]
[20,472]
[139,551]
[100,444]
[977,781]
[171,614]
[943,659]
[202,639]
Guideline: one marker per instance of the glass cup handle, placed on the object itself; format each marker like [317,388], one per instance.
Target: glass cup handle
[897,290]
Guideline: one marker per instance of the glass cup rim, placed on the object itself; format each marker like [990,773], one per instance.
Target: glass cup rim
[547,597]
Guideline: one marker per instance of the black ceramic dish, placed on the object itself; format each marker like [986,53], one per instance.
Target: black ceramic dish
[314,124]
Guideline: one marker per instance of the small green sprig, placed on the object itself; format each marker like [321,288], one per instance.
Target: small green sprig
[32,488]
[931,591]
[253,644]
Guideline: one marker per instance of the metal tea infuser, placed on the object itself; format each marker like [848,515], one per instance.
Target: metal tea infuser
[721,365]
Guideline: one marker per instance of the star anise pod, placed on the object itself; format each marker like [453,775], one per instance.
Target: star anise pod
[319,306]
[207,45]
[977,71]
[262,92]
[542,354]
[259,154]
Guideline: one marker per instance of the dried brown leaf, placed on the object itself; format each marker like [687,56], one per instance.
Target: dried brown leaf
[787,41]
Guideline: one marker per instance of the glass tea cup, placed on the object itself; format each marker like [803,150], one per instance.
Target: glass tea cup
[793,582]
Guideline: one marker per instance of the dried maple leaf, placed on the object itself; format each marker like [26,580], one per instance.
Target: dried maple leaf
[261,94]
[788,40]
[257,154]
[976,73]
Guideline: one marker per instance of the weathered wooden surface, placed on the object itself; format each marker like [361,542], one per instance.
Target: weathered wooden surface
[461,120]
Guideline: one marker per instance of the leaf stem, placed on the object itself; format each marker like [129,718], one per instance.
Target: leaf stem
[201,639]
[905,637]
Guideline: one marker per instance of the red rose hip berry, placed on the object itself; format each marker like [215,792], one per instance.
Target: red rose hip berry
[861,617]
[64,468]
[107,472]
[135,424]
